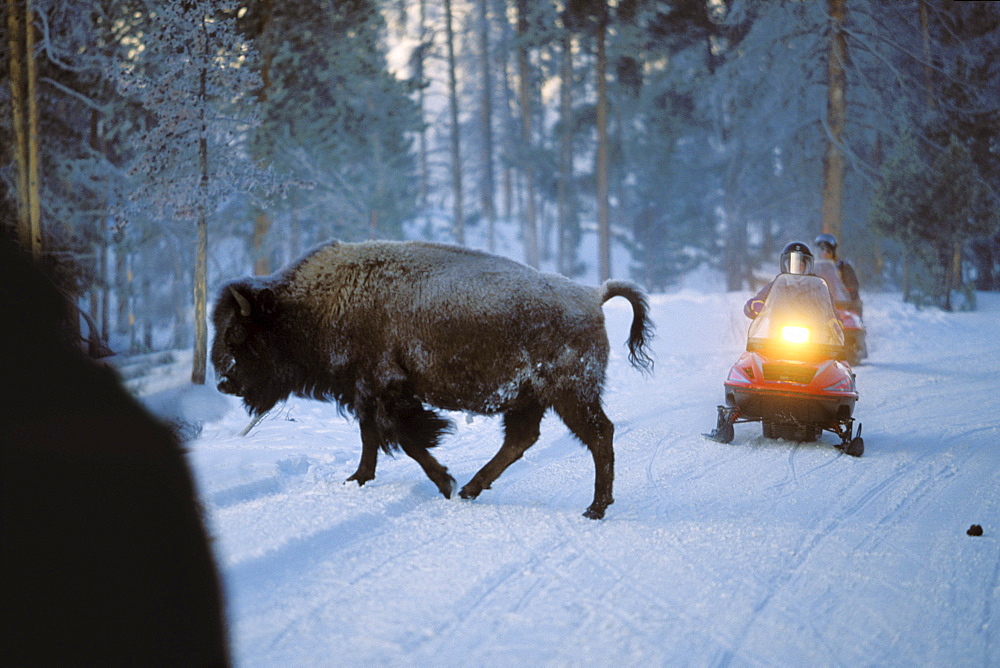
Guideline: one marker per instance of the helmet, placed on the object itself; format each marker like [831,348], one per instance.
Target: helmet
[827,242]
[796,258]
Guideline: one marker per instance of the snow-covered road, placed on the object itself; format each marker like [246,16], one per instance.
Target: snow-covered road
[760,552]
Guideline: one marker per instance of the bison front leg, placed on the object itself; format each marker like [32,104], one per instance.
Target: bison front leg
[370,443]
[520,433]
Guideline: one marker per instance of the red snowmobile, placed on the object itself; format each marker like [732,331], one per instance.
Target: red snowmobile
[855,348]
[792,378]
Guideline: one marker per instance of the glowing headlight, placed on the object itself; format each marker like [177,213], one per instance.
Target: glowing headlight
[794,334]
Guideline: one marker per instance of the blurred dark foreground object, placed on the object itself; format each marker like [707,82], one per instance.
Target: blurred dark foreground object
[105,559]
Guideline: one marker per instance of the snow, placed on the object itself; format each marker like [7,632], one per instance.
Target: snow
[759,552]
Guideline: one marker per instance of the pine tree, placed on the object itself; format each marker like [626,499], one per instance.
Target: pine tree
[896,204]
[335,121]
[954,209]
[932,210]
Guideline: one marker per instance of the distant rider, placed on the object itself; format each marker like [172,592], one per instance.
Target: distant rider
[826,244]
[796,258]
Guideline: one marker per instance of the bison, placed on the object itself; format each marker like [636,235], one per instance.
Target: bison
[391,330]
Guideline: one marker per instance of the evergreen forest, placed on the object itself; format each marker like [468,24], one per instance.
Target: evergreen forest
[153,149]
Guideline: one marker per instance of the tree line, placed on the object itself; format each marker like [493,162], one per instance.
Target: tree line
[156,147]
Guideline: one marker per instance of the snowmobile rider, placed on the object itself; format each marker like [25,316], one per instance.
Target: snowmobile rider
[826,244]
[796,258]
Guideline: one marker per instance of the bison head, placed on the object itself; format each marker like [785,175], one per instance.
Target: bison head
[248,352]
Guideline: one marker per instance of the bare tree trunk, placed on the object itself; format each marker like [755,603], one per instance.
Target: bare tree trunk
[181,338]
[833,161]
[928,72]
[953,275]
[97,284]
[96,290]
[929,101]
[123,281]
[105,285]
[379,177]
[24,112]
[601,168]
[15,48]
[737,263]
[530,224]
[487,195]
[200,361]
[424,173]
[261,256]
[738,270]
[456,154]
[294,238]
[507,105]
[262,221]
[565,213]
[34,185]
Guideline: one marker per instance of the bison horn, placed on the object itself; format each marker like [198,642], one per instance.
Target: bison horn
[242,301]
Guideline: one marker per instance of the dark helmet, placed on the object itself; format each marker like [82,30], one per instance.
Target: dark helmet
[796,258]
[827,242]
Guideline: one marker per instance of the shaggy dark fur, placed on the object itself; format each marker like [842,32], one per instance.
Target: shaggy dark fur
[105,559]
[388,329]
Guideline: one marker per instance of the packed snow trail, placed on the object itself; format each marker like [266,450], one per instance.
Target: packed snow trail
[759,552]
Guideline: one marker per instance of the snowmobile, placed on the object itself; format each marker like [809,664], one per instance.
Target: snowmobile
[792,377]
[855,348]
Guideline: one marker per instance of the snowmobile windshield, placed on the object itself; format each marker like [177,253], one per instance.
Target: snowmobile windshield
[827,270]
[798,320]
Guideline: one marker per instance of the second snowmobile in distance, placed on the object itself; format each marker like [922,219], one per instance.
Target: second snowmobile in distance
[792,377]
[855,347]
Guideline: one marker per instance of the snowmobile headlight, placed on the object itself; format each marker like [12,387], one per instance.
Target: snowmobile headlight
[794,334]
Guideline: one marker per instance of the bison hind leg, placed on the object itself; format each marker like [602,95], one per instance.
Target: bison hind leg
[416,429]
[591,425]
[372,441]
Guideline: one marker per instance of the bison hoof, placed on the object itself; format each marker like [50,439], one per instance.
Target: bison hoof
[470,491]
[596,510]
[447,486]
[360,478]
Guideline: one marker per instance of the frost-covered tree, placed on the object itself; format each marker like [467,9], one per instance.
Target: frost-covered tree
[80,140]
[194,73]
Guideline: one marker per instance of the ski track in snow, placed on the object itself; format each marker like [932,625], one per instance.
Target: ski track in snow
[759,552]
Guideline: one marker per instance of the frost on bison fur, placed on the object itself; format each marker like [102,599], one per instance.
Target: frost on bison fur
[391,330]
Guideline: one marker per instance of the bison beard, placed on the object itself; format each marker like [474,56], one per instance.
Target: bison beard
[387,329]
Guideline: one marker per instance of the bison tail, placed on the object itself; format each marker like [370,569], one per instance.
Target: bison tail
[641,332]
